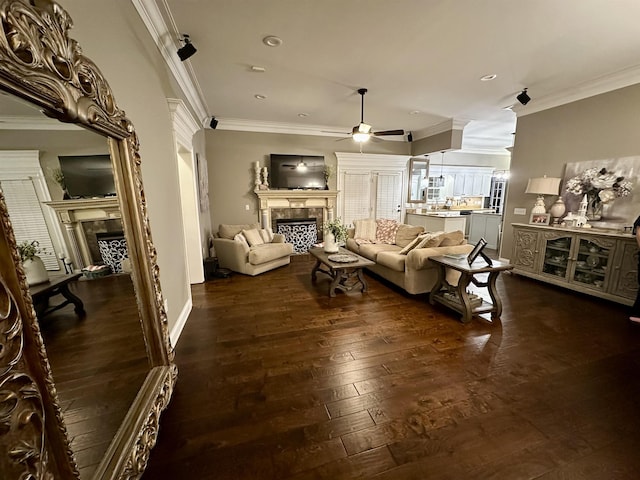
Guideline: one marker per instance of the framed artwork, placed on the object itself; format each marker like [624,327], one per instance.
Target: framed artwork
[203,183]
[477,250]
[610,187]
[540,218]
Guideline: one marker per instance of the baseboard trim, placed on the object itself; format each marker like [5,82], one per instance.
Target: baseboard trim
[176,331]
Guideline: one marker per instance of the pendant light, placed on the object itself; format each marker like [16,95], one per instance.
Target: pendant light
[441,177]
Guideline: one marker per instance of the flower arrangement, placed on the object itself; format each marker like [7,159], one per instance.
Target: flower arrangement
[338,230]
[602,184]
[29,250]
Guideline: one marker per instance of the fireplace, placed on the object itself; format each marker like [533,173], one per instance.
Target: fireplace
[302,233]
[296,205]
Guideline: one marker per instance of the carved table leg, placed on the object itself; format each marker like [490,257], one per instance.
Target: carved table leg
[461,290]
[78,305]
[438,285]
[493,293]
[315,270]
[337,276]
[362,280]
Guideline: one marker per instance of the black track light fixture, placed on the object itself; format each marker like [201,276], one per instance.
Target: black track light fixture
[523,97]
[187,50]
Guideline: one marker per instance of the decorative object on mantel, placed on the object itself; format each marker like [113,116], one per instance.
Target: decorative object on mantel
[265,178]
[334,233]
[58,177]
[608,186]
[328,173]
[542,186]
[256,170]
[32,264]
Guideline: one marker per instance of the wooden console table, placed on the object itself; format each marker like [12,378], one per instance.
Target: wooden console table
[341,273]
[57,285]
[456,297]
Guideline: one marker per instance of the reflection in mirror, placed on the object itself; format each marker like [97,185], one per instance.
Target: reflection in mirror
[418,180]
[94,342]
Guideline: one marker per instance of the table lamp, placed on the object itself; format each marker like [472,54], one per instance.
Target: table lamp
[542,186]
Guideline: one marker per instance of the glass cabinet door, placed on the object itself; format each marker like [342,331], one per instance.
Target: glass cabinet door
[557,252]
[591,261]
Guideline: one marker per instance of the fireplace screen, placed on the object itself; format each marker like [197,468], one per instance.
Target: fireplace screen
[302,233]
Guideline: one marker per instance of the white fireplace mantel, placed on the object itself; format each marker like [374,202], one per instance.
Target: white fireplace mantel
[71,214]
[270,199]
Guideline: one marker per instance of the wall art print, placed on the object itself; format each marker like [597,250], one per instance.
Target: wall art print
[203,183]
[612,187]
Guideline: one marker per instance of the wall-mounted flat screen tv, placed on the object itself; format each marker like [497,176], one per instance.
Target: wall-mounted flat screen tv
[88,176]
[296,172]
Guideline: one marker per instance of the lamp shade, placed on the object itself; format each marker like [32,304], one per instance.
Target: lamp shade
[543,186]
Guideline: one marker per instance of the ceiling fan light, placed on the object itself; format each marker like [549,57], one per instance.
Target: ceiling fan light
[361,137]
[364,128]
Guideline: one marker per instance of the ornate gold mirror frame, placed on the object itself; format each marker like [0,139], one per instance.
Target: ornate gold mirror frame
[41,64]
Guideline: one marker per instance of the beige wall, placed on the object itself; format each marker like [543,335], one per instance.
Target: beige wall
[231,156]
[599,127]
[449,140]
[115,38]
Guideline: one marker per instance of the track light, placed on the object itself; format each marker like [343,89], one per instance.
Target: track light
[523,97]
[187,50]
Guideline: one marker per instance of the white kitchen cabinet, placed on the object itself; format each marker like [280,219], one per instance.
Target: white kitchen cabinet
[487,226]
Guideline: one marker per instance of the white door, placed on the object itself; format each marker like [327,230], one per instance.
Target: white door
[388,194]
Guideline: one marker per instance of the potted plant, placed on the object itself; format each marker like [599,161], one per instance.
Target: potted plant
[334,234]
[328,173]
[32,264]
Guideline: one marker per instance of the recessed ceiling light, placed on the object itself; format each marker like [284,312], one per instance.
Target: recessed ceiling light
[415,112]
[272,41]
[488,78]
[302,115]
[260,97]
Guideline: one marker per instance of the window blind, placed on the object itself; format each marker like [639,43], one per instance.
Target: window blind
[388,186]
[357,197]
[27,218]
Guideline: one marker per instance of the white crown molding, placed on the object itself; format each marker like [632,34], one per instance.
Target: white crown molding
[163,35]
[620,79]
[184,124]
[242,125]
[28,122]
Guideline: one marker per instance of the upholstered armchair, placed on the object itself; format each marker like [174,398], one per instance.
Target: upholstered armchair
[250,250]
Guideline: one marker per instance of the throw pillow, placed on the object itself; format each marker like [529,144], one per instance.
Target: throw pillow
[253,237]
[386,231]
[412,244]
[266,234]
[430,240]
[229,231]
[407,234]
[241,238]
[365,229]
[452,238]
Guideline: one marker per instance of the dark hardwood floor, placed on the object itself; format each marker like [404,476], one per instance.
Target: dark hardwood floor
[279,381]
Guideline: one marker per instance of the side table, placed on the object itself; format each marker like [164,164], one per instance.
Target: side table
[456,296]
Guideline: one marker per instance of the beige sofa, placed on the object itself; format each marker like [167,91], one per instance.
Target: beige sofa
[411,271]
[239,249]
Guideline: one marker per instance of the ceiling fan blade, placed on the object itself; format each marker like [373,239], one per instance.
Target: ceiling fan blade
[388,132]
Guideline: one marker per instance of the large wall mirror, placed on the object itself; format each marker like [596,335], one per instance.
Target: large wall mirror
[81,389]
[418,180]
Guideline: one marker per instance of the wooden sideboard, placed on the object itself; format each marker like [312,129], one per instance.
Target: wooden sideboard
[592,261]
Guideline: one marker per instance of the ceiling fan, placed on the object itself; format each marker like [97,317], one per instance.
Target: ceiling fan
[362,132]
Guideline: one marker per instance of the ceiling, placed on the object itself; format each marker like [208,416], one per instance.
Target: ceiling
[421,60]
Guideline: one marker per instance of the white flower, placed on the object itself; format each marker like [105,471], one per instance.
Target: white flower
[607,195]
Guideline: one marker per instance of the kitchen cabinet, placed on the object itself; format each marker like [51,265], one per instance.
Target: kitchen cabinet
[600,263]
[487,226]
[437,223]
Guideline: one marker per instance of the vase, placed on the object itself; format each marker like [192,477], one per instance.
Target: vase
[35,271]
[594,208]
[330,244]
